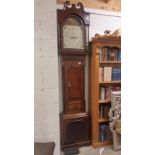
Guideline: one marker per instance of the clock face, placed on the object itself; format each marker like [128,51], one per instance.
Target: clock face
[73,36]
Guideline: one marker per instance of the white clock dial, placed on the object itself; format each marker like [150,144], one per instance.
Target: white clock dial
[73,37]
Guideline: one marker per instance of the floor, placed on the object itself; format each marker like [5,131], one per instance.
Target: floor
[91,151]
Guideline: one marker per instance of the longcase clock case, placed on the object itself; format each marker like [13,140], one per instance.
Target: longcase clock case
[73,25]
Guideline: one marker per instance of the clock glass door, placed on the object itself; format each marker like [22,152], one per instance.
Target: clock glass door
[73,34]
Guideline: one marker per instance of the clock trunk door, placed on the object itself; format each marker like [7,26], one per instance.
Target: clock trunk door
[73,86]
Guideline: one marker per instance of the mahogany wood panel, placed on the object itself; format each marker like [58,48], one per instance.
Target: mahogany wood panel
[76,130]
[73,77]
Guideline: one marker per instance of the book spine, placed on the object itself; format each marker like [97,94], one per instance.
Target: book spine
[101,76]
[110,73]
[107,73]
[103,135]
[119,55]
[104,54]
[101,111]
[106,111]
[108,93]
[116,74]
[100,55]
[102,92]
[119,74]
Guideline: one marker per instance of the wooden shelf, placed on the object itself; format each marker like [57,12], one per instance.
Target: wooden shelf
[102,120]
[110,82]
[106,101]
[110,62]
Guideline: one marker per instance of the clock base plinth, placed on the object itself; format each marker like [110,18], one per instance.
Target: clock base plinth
[75,130]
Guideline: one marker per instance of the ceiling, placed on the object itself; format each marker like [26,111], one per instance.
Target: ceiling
[108,5]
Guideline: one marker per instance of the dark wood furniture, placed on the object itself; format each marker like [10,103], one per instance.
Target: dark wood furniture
[75,130]
[104,60]
[73,26]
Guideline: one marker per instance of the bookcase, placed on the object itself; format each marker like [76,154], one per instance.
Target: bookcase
[105,77]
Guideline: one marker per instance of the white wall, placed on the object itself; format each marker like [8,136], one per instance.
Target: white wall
[103,20]
[100,22]
[46,90]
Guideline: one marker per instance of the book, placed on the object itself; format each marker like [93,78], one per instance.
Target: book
[119,55]
[101,74]
[103,135]
[104,53]
[107,73]
[102,93]
[101,111]
[106,111]
[108,93]
[112,55]
[103,131]
[116,74]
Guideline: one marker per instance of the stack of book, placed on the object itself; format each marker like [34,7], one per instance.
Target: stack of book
[105,93]
[104,111]
[105,133]
[110,54]
[116,74]
[104,54]
[109,74]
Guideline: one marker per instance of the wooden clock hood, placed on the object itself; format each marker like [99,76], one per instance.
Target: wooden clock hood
[72,9]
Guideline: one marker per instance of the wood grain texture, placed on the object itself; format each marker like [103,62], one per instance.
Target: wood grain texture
[112,5]
[75,130]
[73,79]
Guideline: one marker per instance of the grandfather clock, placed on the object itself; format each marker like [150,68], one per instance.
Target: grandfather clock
[73,31]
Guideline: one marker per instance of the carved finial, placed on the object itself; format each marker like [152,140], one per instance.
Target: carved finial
[79,5]
[67,4]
